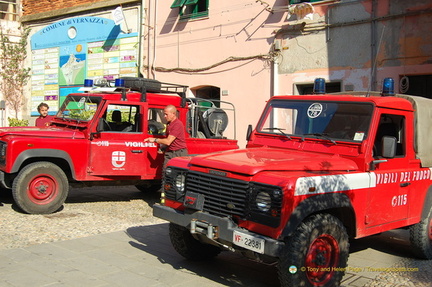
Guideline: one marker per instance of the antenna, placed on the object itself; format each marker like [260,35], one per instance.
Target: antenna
[375,62]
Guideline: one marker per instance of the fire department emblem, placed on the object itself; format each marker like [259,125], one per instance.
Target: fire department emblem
[314,110]
[118,158]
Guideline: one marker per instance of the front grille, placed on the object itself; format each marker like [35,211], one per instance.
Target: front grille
[224,197]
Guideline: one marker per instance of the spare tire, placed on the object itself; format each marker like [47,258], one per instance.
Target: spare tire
[136,84]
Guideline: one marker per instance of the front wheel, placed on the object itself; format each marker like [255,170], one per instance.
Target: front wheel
[421,237]
[187,246]
[40,188]
[316,254]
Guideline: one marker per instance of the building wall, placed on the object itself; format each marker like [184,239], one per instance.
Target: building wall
[358,43]
[50,42]
[236,29]
[354,43]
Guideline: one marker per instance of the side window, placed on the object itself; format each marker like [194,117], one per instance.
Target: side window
[121,118]
[156,122]
[394,126]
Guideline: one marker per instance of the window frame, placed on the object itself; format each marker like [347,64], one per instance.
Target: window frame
[191,9]
[6,14]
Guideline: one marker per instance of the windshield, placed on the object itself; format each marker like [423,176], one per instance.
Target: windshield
[329,120]
[79,107]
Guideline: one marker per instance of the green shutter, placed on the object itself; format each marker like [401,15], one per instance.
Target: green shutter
[178,3]
[191,2]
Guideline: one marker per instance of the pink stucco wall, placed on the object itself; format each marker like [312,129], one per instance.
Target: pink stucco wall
[356,43]
[233,29]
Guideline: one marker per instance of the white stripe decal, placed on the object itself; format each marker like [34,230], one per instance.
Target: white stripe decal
[334,183]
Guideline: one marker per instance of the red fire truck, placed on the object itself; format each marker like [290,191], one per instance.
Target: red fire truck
[317,170]
[97,138]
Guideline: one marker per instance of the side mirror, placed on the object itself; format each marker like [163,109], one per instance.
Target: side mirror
[249,132]
[388,146]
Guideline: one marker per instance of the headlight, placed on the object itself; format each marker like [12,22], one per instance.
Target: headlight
[265,204]
[263,201]
[180,182]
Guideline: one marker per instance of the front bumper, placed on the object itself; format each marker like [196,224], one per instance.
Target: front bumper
[205,224]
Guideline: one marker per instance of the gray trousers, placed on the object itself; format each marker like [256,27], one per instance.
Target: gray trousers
[172,154]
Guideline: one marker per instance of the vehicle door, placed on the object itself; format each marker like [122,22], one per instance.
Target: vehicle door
[118,148]
[388,201]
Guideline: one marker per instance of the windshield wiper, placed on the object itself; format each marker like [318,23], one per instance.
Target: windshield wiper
[324,136]
[280,130]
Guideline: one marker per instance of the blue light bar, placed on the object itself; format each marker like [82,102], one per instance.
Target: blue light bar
[319,86]
[388,87]
[88,83]
[120,83]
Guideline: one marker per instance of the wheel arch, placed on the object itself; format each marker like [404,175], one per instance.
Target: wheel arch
[336,204]
[58,157]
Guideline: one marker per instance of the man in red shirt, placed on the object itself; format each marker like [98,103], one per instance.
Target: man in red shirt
[175,141]
[44,119]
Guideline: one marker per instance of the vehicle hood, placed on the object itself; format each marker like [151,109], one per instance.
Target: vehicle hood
[46,132]
[254,160]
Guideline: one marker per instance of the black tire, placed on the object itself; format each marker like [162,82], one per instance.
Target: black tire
[316,254]
[40,188]
[188,247]
[421,237]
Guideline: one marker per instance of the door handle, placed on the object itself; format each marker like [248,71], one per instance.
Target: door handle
[405,184]
[137,151]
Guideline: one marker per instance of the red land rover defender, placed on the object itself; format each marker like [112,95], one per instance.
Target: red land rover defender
[97,138]
[318,169]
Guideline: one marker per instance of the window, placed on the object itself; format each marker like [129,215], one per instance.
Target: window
[331,120]
[191,9]
[417,85]
[120,118]
[9,10]
[307,89]
[156,122]
[393,126]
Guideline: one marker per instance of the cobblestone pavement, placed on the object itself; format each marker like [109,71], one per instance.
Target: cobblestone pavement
[379,261]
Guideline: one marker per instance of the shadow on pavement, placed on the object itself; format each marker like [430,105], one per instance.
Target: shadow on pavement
[395,242]
[228,268]
[110,193]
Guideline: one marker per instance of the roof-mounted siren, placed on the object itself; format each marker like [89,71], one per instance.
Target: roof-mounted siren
[388,88]
[119,83]
[319,86]
[88,83]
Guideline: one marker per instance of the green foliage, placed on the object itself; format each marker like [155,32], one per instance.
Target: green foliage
[17,123]
[14,75]
[82,114]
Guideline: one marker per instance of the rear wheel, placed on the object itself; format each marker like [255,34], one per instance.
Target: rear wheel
[40,188]
[316,254]
[187,246]
[421,237]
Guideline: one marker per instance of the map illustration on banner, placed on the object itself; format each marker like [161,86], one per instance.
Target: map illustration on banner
[67,52]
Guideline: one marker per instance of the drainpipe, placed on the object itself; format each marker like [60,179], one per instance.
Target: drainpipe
[149,37]
[154,38]
[140,37]
[374,46]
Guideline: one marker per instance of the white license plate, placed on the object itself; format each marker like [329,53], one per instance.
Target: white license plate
[249,242]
